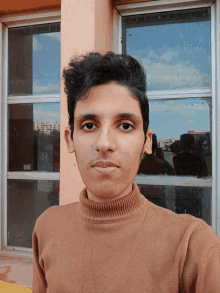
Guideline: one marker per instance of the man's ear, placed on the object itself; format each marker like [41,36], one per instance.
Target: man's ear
[148,143]
[69,141]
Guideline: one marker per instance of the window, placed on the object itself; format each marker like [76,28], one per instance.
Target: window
[31,160]
[176,47]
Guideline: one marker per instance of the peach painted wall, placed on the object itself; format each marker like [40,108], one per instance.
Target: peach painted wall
[118,2]
[86,25]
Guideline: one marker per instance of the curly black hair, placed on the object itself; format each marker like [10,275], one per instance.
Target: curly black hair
[86,71]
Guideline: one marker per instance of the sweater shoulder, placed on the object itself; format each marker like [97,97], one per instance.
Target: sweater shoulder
[180,232]
[169,215]
[183,223]
[56,214]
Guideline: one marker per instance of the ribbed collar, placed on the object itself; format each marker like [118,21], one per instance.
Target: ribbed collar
[114,211]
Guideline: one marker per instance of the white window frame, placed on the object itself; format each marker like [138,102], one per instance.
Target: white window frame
[7,22]
[170,5]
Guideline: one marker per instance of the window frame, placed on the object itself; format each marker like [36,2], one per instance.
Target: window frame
[7,22]
[171,5]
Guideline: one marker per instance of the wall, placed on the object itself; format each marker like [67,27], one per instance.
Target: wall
[94,18]
[116,2]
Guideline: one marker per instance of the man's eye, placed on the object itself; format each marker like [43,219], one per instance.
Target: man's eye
[88,126]
[126,126]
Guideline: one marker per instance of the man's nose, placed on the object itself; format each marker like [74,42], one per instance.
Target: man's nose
[105,141]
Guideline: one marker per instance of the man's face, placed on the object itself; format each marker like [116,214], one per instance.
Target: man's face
[108,141]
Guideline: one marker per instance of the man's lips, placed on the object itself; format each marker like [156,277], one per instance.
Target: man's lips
[105,164]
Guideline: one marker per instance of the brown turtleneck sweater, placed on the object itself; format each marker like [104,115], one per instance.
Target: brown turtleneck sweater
[125,246]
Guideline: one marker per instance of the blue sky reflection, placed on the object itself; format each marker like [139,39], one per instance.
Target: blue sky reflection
[175,55]
[171,118]
[46,63]
[46,112]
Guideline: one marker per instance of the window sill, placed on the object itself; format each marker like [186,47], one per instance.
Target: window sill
[17,271]
[16,252]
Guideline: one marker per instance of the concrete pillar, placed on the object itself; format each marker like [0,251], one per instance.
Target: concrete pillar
[86,25]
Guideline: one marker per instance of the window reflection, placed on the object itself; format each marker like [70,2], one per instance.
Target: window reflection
[34,60]
[34,137]
[181,139]
[195,201]
[26,201]
[174,47]
[156,164]
[189,159]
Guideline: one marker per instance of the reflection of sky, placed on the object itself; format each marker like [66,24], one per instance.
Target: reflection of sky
[175,56]
[46,112]
[171,118]
[46,63]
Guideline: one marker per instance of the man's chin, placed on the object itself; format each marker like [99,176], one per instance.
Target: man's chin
[105,191]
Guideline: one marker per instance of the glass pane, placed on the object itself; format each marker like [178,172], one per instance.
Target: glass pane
[181,139]
[195,201]
[174,47]
[27,200]
[34,60]
[34,137]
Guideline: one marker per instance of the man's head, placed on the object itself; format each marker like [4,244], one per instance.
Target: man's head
[186,142]
[108,118]
[94,69]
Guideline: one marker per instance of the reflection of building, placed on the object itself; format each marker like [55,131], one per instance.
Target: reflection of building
[46,127]
[165,143]
[197,135]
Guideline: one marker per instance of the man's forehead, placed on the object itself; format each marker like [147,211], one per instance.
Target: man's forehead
[108,100]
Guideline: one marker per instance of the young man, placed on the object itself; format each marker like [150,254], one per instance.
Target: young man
[113,239]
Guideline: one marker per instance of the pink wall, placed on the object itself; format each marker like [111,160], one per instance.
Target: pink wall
[86,25]
[118,2]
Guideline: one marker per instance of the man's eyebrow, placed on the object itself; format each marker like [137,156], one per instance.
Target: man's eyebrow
[124,115]
[129,115]
[86,116]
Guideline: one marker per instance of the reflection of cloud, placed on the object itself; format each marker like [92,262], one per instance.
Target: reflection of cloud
[178,107]
[168,76]
[46,116]
[53,36]
[168,56]
[152,54]
[46,88]
[201,39]
[174,67]
[36,44]
[189,122]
